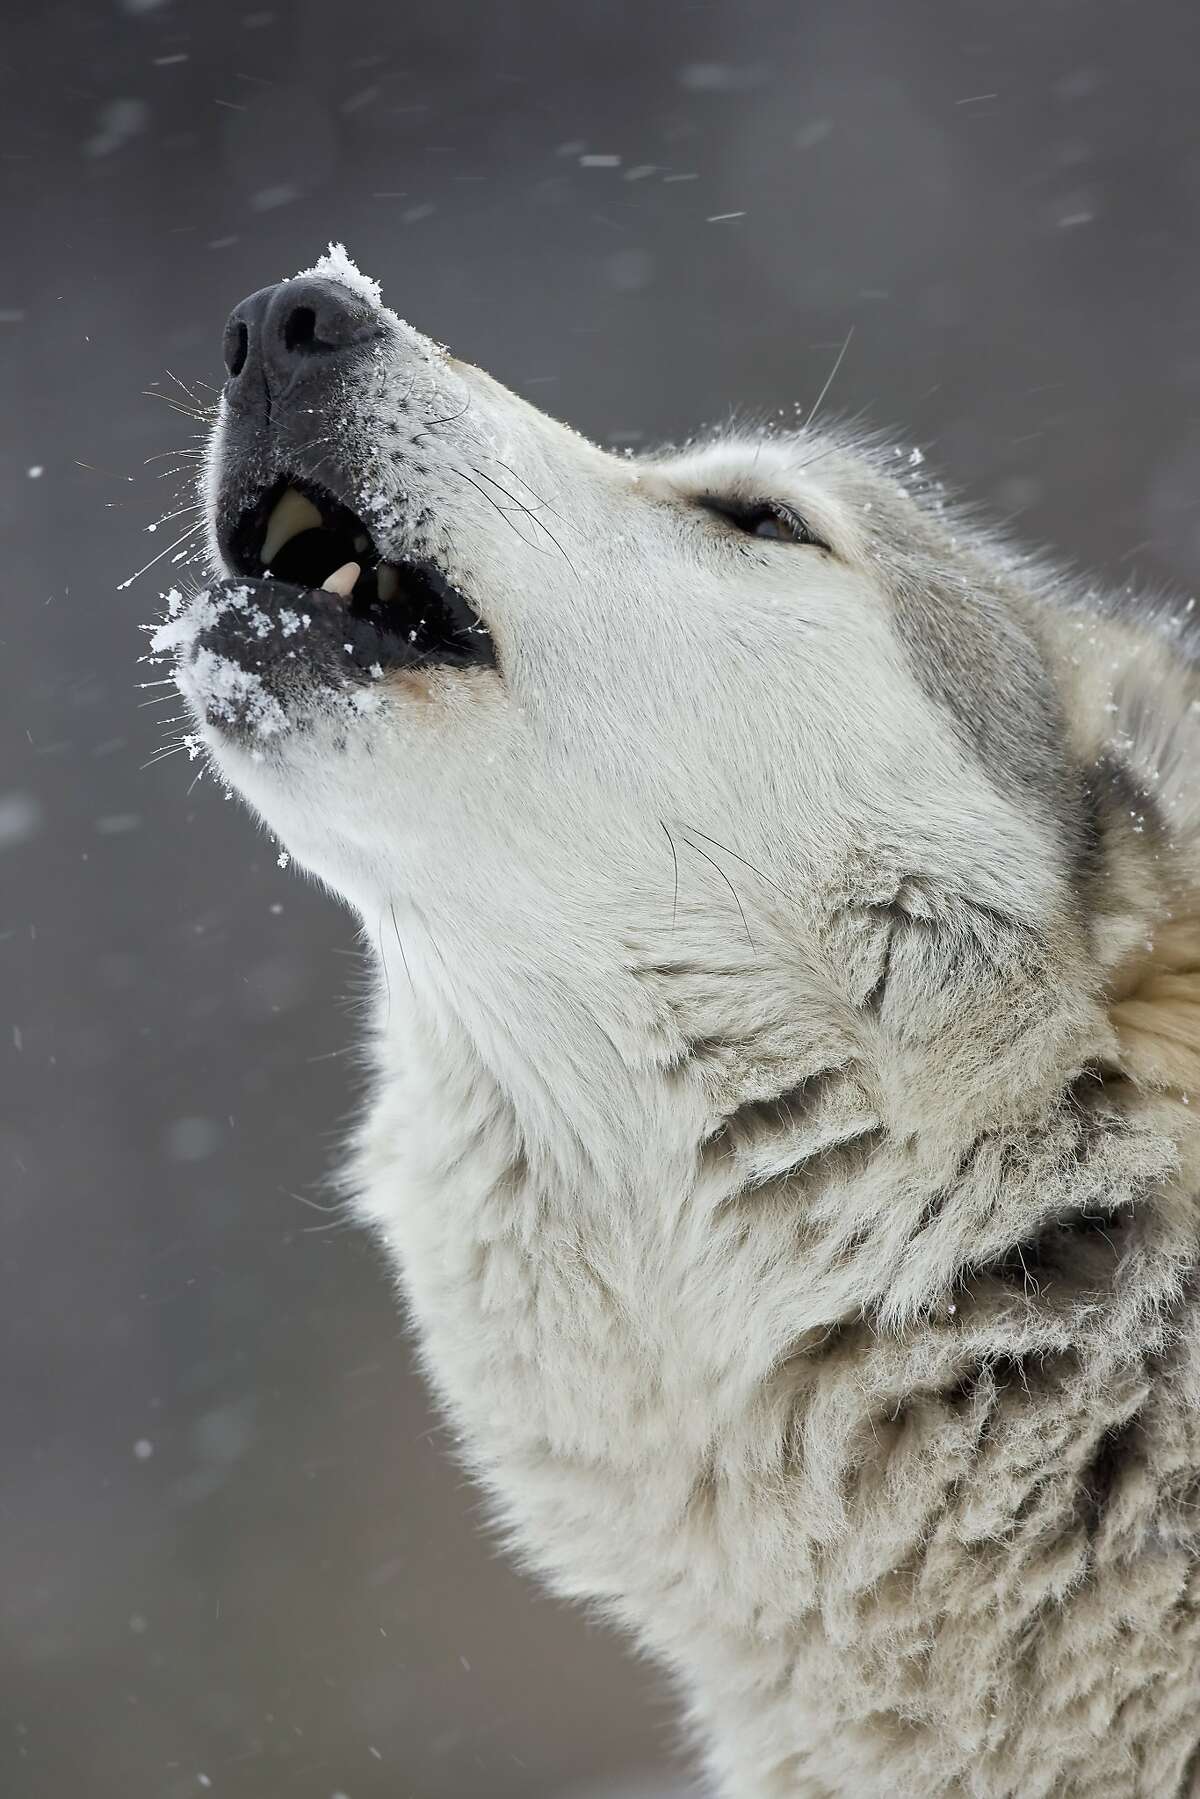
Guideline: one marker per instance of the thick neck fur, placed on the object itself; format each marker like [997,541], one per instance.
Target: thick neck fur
[711,1272]
[697,1376]
[590,1190]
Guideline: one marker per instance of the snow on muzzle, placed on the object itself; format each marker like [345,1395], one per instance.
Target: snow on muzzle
[312,608]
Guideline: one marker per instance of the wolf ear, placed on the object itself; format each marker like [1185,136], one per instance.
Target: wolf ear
[982,1010]
[1156,1009]
[1148,908]
[1136,714]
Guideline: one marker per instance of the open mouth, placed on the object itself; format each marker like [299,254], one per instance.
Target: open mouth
[303,535]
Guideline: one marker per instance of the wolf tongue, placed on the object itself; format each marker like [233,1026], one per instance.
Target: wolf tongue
[342,580]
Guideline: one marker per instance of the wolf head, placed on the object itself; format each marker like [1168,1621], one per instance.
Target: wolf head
[700,792]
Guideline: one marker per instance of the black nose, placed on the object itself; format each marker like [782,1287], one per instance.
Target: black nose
[284,332]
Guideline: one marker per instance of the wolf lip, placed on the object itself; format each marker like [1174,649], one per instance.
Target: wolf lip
[301,535]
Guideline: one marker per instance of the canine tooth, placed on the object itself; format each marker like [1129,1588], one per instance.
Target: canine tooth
[388,581]
[342,580]
[293,513]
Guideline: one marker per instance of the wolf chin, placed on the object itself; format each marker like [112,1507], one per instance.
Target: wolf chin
[786,903]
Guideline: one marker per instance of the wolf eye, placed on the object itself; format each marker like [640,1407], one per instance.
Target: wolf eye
[772,523]
[766,518]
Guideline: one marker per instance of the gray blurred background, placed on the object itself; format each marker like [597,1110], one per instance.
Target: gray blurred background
[235,1555]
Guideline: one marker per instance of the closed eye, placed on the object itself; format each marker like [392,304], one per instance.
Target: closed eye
[764,518]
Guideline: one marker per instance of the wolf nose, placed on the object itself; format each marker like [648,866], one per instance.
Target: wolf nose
[280,332]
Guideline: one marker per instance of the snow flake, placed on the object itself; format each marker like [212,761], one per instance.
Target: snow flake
[336,265]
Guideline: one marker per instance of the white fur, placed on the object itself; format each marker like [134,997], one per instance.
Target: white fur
[759,1381]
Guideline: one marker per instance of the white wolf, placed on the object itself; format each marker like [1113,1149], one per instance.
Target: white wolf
[786,901]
